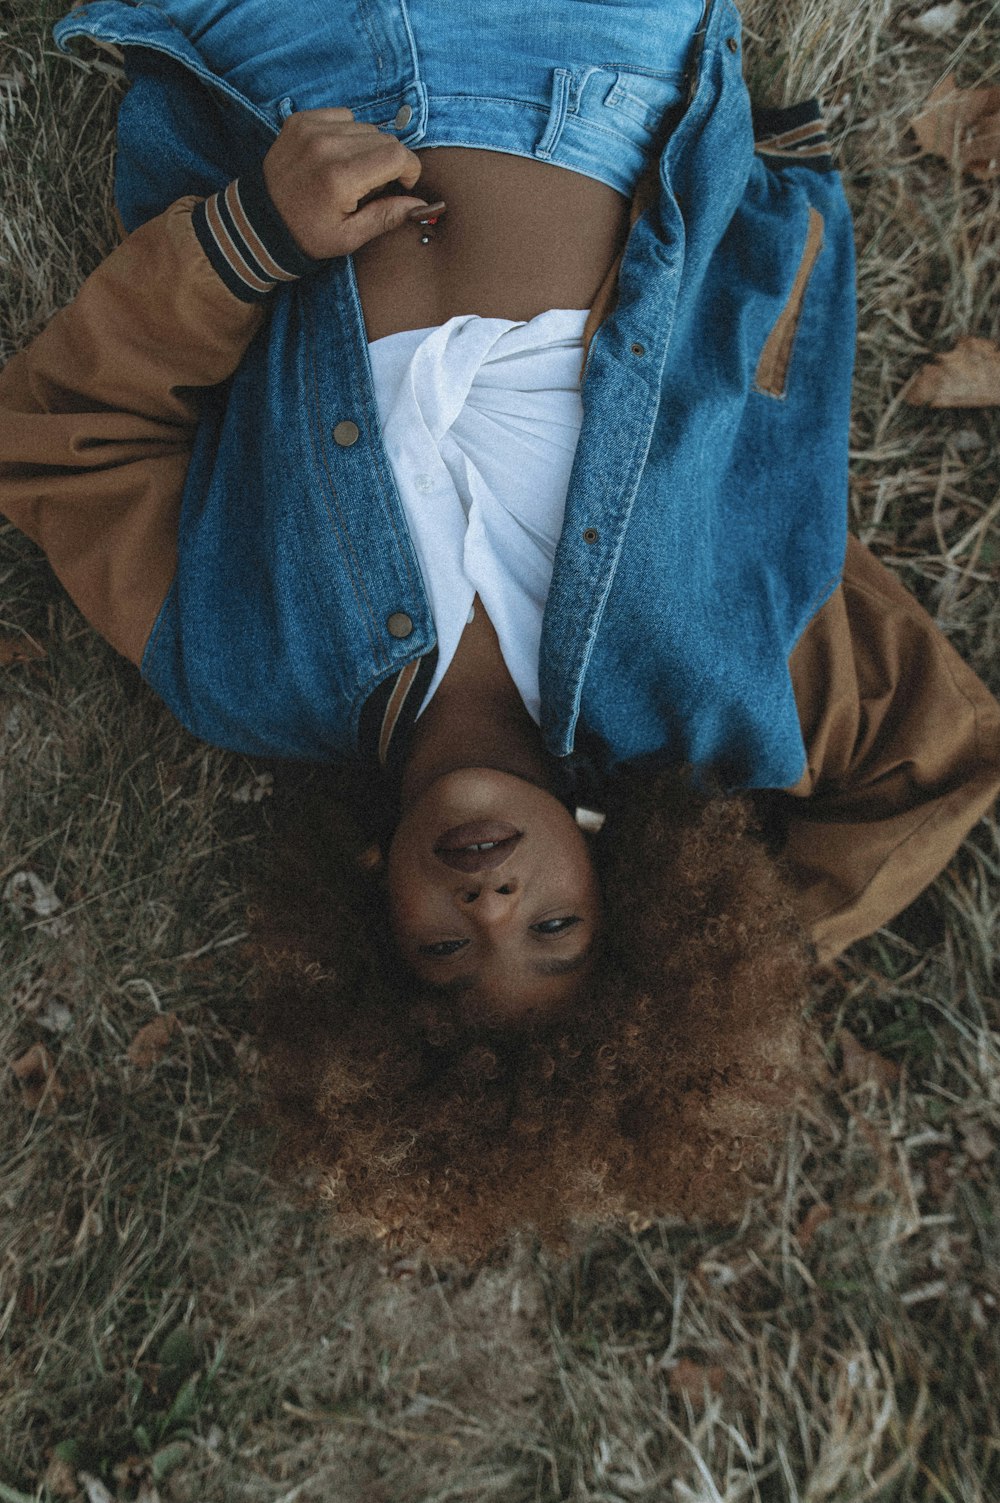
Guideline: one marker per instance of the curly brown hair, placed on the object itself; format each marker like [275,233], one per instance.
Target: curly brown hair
[662,1090]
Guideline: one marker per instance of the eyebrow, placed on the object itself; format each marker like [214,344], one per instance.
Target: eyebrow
[563,967]
[541,968]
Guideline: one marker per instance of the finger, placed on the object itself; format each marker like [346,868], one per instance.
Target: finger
[326,112]
[379,164]
[335,129]
[411,176]
[377,218]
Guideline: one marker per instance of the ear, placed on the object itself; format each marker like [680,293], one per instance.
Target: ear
[589,820]
[371,858]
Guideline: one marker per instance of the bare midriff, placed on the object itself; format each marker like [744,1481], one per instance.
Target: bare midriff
[518,237]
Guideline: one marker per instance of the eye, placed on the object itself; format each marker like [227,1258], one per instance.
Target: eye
[556,925]
[443,947]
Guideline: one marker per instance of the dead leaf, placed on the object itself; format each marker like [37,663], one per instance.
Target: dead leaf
[55,1016]
[939,1174]
[248,1057]
[815,1217]
[23,649]
[60,1478]
[28,894]
[692,1379]
[41,1087]
[95,1489]
[967,376]
[939,20]
[861,1064]
[151,1040]
[963,126]
[30,1302]
[927,527]
[261,786]
[977,1142]
[131,1471]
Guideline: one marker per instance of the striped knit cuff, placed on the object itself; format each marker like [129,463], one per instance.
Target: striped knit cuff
[794,136]
[247,241]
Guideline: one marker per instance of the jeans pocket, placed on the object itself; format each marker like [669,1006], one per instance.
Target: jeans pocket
[771,376]
[631,104]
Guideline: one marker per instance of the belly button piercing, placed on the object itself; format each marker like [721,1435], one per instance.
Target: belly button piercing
[427,218]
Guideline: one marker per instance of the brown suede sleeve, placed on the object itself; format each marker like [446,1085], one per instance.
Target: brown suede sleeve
[97,417]
[903,756]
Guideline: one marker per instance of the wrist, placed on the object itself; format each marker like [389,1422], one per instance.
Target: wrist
[247,241]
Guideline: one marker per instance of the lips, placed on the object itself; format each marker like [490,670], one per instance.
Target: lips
[478,846]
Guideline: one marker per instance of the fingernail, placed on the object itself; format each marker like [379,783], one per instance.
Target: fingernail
[425,213]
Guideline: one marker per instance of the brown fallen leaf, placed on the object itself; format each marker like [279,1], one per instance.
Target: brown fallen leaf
[816,1216]
[151,1040]
[966,376]
[691,1379]
[940,1174]
[977,1142]
[23,649]
[40,1084]
[927,526]
[861,1064]
[962,125]
[939,20]
[60,1479]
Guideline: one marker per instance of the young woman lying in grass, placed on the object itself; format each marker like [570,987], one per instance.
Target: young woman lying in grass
[524,520]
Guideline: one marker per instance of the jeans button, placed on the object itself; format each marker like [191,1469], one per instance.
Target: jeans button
[346,433]
[399,624]
[403,117]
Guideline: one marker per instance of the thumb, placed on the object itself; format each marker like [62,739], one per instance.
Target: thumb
[380,216]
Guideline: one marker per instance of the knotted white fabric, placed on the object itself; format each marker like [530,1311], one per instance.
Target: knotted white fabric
[480,420]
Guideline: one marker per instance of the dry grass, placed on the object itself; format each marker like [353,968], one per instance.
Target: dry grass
[172,1327]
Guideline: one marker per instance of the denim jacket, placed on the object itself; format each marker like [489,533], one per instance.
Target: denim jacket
[706,517]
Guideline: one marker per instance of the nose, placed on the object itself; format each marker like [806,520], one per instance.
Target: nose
[489,902]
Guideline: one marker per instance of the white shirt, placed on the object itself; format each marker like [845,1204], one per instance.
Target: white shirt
[480,421]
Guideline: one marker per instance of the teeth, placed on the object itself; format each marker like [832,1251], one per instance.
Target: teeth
[487,845]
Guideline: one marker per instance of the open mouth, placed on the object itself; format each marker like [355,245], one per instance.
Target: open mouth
[478,846]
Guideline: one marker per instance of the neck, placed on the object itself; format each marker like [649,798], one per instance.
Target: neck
[476,719]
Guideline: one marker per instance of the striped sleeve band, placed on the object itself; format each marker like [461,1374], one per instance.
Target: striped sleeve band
[247,241]
[795,136]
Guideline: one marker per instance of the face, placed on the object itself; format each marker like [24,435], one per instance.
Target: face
[492,893]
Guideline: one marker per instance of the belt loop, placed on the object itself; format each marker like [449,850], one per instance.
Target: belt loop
[562,82]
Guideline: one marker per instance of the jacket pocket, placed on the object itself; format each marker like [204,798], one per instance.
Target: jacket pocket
[771,376]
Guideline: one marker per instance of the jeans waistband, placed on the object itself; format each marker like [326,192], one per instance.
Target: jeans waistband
[605,123]
[594,87]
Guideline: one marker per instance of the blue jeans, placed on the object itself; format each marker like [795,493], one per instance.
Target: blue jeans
[588,86]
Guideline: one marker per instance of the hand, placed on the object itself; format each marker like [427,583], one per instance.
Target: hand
[323,169]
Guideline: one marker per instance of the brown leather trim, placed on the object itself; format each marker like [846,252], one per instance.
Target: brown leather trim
[772,367]
[792,153]
[792,137]
[646,192]
[394,708]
